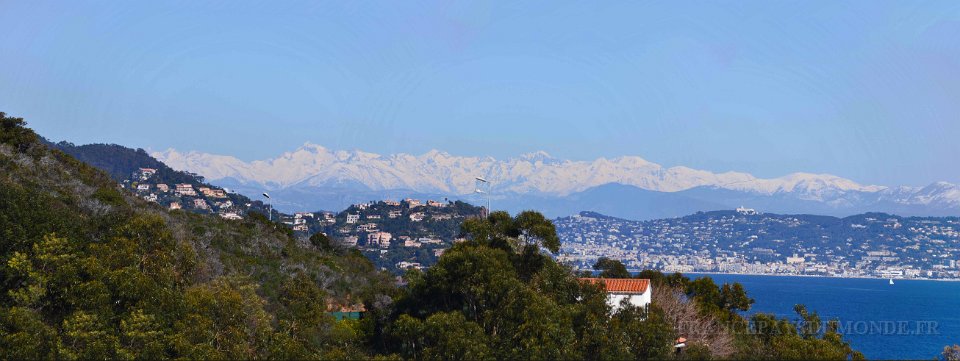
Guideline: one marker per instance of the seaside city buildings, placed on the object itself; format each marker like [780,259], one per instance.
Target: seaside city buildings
[751,243]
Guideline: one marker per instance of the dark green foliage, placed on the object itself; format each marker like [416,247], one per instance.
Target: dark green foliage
[14,132]
[120,162]
[322,242]
[498,296]
[90,272]
[805,339]
[611,268]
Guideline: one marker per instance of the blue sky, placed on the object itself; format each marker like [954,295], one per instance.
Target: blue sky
[868,90]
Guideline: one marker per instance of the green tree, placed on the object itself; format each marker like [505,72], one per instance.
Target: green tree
[645,331]
[611,268]
[224,319]
[804,340]
[142,336]
[322,242]
[86,336]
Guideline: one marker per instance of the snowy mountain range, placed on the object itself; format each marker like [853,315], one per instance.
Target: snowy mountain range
[313,177]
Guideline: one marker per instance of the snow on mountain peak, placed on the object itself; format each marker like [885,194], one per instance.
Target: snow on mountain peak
[537,172]
[536,156]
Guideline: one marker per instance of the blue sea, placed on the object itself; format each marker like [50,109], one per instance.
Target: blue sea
[911,319]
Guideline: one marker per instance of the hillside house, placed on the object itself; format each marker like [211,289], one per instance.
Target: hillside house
[213,193]
[436,204]
[394,214]
[380,239]
[175,205]
[417,217]
[200,204]
[163,187]
[426,240]
[143,187]
[146,173]
[412,203]
[637,292]
[407,265]
[349,241]
[373,216]
[341,312]
[353,218]
[185,189]
[747,211]
[392,203]
[367,227]
[231,216]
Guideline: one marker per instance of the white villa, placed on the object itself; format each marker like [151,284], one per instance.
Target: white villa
[353,218]
[637,292]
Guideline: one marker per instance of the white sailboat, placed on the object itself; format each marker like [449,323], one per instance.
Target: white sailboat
[891,281]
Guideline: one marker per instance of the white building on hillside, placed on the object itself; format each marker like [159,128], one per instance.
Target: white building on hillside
[637,292]
[747,211]
[353,218]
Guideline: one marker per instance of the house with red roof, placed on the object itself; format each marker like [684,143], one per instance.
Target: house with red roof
[637,292]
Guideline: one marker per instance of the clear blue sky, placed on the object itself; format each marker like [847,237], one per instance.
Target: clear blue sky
[868,90]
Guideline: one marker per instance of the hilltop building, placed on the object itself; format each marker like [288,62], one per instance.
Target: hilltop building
[747,211]
[353,218]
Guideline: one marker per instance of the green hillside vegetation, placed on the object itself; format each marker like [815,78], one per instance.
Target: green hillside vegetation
[91,272]
[119,161]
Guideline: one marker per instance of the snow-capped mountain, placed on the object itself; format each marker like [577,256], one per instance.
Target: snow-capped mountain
[315,169]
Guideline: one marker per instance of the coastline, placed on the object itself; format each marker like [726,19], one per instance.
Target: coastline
[634,271]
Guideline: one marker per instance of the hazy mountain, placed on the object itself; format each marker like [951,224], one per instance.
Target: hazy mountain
[313,177]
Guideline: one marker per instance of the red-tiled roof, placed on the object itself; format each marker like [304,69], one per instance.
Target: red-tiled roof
[621,285]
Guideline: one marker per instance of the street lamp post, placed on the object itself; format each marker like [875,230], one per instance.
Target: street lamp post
[480,181]
[269,210]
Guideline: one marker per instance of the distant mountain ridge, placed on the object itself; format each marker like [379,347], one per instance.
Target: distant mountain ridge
[313,177]
[435,171]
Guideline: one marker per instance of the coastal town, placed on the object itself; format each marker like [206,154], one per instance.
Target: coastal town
[411,233]
[745,241]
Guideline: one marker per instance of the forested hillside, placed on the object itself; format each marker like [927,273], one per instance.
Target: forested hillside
[119,161]
[91,272]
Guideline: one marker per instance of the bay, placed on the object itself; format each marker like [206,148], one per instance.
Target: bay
[911,319]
